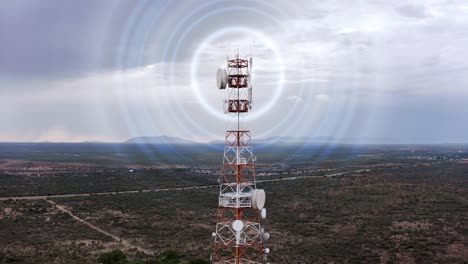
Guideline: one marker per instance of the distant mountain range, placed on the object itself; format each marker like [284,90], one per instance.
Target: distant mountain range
[325,139]
[277,139]
[285,139]
[159,140]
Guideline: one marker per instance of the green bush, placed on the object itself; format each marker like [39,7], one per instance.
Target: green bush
[116,256]
[198,261]
[169,257]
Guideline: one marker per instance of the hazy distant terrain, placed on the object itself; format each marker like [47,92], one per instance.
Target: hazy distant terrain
[326,203]
[159,140]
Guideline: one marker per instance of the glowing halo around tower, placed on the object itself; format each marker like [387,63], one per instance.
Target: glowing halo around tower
[276,95]
[139,32]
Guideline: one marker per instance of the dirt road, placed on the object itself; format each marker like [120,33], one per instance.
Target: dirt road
[122,241]
[42,197]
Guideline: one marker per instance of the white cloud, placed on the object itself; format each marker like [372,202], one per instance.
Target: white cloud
[322,97]
[341,61]
[295,99]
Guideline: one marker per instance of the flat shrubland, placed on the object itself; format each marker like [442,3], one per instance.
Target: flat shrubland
[394,213]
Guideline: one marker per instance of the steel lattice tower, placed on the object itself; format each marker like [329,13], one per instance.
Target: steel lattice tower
[239,236]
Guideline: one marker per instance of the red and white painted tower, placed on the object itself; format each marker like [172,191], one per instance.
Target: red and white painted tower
[239,235]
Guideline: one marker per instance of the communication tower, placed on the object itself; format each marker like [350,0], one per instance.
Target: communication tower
[239,237]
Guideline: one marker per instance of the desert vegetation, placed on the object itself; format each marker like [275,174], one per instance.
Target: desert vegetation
[379,212]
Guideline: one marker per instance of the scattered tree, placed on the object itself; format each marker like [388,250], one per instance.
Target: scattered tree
[198,261]
[116,256]
[169,257]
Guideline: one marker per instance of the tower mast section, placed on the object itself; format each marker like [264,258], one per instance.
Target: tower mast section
[239,237]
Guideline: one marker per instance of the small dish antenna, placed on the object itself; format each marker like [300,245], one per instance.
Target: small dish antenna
[237,225]
[263,213]
[266,236]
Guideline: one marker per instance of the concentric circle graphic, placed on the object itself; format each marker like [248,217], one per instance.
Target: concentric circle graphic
[169,54]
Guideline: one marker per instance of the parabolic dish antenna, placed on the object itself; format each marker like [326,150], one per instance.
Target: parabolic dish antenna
[237,225]
[221,79]
[258,199]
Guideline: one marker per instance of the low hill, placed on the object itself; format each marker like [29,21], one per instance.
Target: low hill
[159,140]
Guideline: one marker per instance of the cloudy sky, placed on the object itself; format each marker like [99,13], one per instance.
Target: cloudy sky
[358,71]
